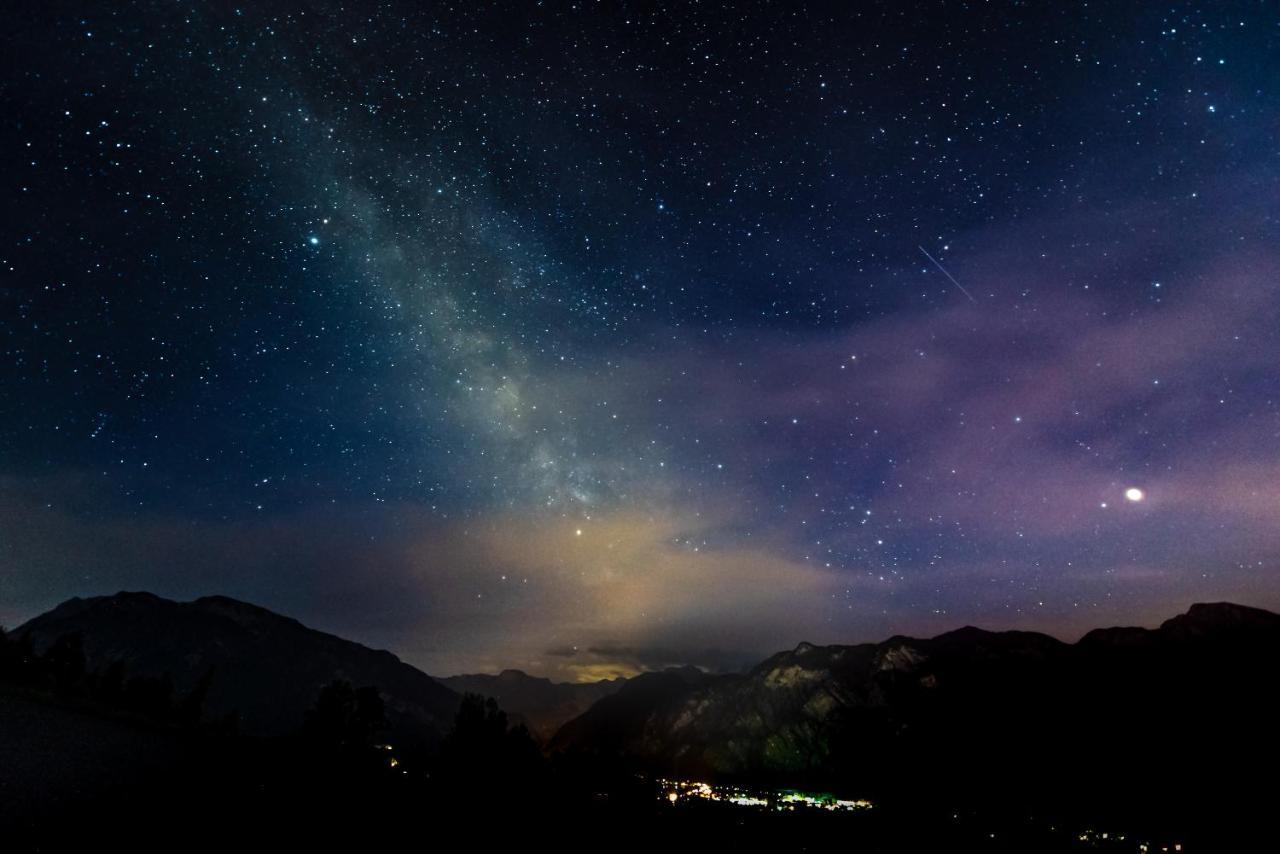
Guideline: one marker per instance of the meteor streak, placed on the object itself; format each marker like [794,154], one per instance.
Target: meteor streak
[948,275]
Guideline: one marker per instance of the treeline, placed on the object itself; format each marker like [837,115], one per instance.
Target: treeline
[481,751]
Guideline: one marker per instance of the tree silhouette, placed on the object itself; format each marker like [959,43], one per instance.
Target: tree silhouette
[370,715]
[346,717]
[8,656]
[17,663]
[483,750]
[480,722]
[65,663]
[192,705]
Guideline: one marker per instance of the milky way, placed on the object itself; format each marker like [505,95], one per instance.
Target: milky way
[593,339]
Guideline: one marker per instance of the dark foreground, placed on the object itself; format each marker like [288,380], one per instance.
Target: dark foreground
[72,776]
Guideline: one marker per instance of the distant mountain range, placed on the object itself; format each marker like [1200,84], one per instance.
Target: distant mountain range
[1126,715]
[1123,713]
[1171,727]
[542,705]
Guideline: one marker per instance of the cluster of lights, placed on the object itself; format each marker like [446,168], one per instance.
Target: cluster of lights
[791,800]
[1095,836]
[676,791]
[392,762]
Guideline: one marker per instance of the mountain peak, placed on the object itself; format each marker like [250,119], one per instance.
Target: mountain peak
[1227,612]
[966,633]
[1217,616]
[124,600]
[512,673]
[244,613]
[124,597]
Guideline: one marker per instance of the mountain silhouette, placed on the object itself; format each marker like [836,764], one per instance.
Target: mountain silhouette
[265,668]
[542,705]
[1132,719]
[1156,727]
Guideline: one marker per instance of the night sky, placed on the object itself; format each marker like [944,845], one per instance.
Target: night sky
[600,337]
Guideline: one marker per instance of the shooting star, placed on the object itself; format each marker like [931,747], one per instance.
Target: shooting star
[945,273]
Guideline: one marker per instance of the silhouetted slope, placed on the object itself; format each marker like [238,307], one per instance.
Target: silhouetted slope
[542,705]
[267,668]
[788,714]
[614,724]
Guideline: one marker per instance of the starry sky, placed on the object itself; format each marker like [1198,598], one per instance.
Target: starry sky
[594,338]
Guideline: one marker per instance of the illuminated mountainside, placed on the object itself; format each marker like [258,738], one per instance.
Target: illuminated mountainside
[1124,713]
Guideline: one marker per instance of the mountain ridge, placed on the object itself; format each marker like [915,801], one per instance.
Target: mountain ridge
[921,715]
[536,701]
[266,668]
[788,714]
